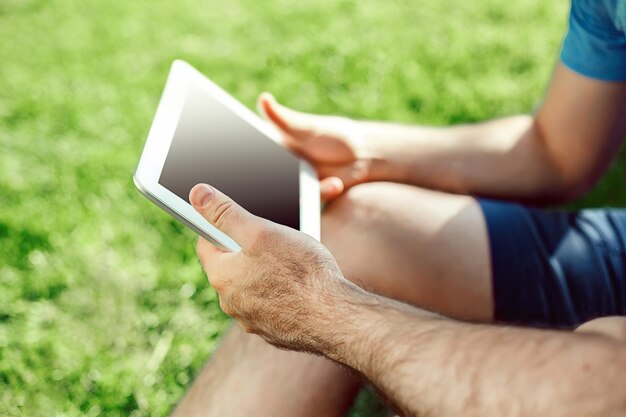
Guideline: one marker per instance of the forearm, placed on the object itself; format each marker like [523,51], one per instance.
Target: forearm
[554,156]
[428,365]
[504,158]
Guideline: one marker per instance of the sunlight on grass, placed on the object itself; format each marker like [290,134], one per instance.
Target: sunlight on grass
[103,307]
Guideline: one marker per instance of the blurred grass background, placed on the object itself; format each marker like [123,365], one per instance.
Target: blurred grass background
[103,307]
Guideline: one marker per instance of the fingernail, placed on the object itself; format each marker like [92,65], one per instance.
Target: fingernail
[201,194]
[332,184]
[327,187]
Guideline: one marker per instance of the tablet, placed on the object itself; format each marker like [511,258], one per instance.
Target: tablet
[201,134]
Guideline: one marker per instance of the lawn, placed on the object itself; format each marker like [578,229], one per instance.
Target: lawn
[104,309]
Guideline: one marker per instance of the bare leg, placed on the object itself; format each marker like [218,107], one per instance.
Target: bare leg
[248,377]
[613,327]
[423,247]
[427,248]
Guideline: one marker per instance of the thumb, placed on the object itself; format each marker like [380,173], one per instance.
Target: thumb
[294,123]
[223,213]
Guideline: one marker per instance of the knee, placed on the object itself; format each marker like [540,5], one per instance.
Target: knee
[347,229]
[366,206]
[614,327]
[347,212]
[354,229]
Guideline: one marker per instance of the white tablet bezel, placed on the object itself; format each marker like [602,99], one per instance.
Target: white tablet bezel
[181,77]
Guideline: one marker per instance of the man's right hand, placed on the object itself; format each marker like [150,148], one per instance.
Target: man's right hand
[333,145]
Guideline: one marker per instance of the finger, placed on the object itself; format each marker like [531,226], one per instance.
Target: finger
[331,188]
[292,122]
[212,261]
[348,175]
[207,253]
[225,214]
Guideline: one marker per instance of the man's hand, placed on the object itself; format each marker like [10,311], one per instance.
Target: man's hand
[287,288]
[552,157]
[333,145]
[282,285]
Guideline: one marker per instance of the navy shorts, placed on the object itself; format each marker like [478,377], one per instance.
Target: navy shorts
[556,268]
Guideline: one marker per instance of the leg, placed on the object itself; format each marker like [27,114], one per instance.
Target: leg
[424,247]
[613,327]
[420,246]
[248,377]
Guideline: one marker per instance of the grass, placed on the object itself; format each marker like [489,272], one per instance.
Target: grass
[103,307]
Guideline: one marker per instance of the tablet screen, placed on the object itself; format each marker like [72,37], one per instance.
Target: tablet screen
[214,145]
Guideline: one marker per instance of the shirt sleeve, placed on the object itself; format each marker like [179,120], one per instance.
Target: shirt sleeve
[594,46]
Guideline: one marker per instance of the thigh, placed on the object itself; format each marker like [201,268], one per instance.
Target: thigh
[423,247]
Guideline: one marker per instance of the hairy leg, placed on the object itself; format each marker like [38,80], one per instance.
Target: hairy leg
[423,247]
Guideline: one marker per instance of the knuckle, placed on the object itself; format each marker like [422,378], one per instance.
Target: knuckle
[200,249]
[225,306]
[205,254]
[247,328]
[217,284]
[261,237]
[221,213]
[264,235]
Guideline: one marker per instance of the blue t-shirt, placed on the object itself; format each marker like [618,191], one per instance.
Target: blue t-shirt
[595,44]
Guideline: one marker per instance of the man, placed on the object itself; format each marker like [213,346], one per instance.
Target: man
[427,219]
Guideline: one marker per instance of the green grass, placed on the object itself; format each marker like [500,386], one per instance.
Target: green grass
[103,307]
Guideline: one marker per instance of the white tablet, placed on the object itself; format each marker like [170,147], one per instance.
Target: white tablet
[202,134]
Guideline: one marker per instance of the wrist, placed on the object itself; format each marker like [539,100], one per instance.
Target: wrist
[379,152]
[344,318]
[330,313]
[358,323]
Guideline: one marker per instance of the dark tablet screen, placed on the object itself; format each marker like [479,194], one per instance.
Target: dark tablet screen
[216,146]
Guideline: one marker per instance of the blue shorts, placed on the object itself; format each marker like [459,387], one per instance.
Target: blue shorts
[556,268]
